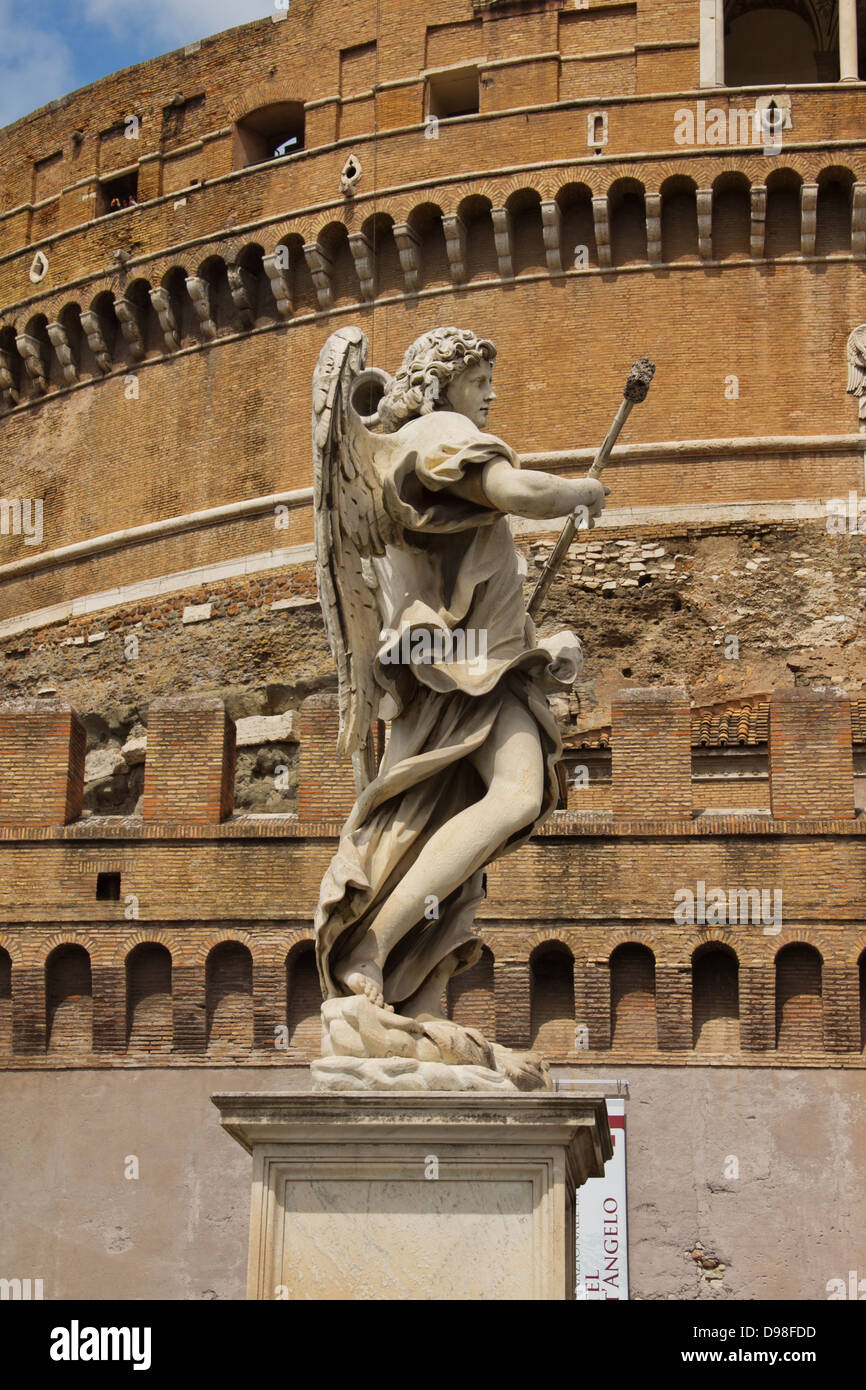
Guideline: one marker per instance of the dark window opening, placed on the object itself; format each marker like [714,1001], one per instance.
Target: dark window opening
[776,43]
[108,888]
[115,194]
[454,93]
[269,133]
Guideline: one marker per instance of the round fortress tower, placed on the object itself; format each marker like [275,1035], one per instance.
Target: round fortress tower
[582,182]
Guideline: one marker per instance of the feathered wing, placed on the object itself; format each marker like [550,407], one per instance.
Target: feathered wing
[351,526]
[856,354]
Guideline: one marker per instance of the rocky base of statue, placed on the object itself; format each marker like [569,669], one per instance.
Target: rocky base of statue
[367,1048]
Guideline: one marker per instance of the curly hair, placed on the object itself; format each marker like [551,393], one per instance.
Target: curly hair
[429,366]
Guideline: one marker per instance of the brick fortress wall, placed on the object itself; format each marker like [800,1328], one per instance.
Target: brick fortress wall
[155,941]
[166,332]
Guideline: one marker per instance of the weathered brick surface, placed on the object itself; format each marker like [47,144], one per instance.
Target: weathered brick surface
[42,745]
[811,764]
[231,902]
[181,787]
[115,460]
[326,789]
[652,754]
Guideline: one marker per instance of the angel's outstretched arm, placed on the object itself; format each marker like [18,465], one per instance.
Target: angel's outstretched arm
[539,495]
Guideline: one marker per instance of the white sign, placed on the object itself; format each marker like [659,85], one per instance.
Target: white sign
[602,1230]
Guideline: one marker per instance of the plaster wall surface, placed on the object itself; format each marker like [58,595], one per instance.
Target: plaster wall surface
[786,1226]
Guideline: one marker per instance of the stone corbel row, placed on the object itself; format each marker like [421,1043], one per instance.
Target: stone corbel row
[35,352]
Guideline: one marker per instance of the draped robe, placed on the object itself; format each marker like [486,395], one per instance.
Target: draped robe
[457,573]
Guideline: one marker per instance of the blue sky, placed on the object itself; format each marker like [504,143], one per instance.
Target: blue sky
[48,48]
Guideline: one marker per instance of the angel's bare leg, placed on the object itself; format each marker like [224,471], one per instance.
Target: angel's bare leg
[428,999]
[512,766]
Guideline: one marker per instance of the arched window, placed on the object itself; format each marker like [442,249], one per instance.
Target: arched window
[481,259]
[426,222]
[148,999]
[783,214]
[628,242]
[732,217]
[470,996]
[251,288]
[298,276]
[138,295]
[69,1000]
[334,241]
[269,132]
[222,309]
[551,997]
[679,220]
[777,43]
[715,1000]
[229,996]
[5,1001]
[527,236]
[833,231]
[11,368]
[69,319]
[799,1006]
[633,999]
[578,227]
[43,358]
[180,304]
[388,277]
[303,999]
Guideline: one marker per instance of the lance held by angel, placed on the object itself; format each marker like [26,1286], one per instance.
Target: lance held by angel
[421,589]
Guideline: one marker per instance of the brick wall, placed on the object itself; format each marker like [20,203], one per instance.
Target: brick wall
[471,999]
[651,767]
[42,744]
[103,461]
[580,926]
[182,785]
[811,758]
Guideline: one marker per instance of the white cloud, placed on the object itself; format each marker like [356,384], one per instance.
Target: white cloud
[36,65]
[172,22]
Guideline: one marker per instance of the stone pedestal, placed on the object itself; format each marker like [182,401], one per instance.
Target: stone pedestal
[415,1196]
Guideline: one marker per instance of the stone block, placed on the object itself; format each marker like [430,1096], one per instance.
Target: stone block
[438,1196]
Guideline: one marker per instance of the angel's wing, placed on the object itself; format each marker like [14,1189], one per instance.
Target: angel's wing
[352,525]
[857,362]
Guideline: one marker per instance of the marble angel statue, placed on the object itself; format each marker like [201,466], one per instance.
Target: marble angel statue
[421,589]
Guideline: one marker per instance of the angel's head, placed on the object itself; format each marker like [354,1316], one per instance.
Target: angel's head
[446,369]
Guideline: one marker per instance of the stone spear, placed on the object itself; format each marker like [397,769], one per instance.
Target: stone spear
[636,388]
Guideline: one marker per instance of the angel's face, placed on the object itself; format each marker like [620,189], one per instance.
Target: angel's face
[471,393]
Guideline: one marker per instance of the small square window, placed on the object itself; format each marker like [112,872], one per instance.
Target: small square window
[108,888]
[116,194]
[454,93]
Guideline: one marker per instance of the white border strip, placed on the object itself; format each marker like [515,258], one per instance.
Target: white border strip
[152,588]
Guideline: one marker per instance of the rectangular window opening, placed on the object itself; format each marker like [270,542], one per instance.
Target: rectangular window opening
[108,888]
[115,194]
[454,93]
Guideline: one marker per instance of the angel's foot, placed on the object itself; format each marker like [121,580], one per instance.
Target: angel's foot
[365,977]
